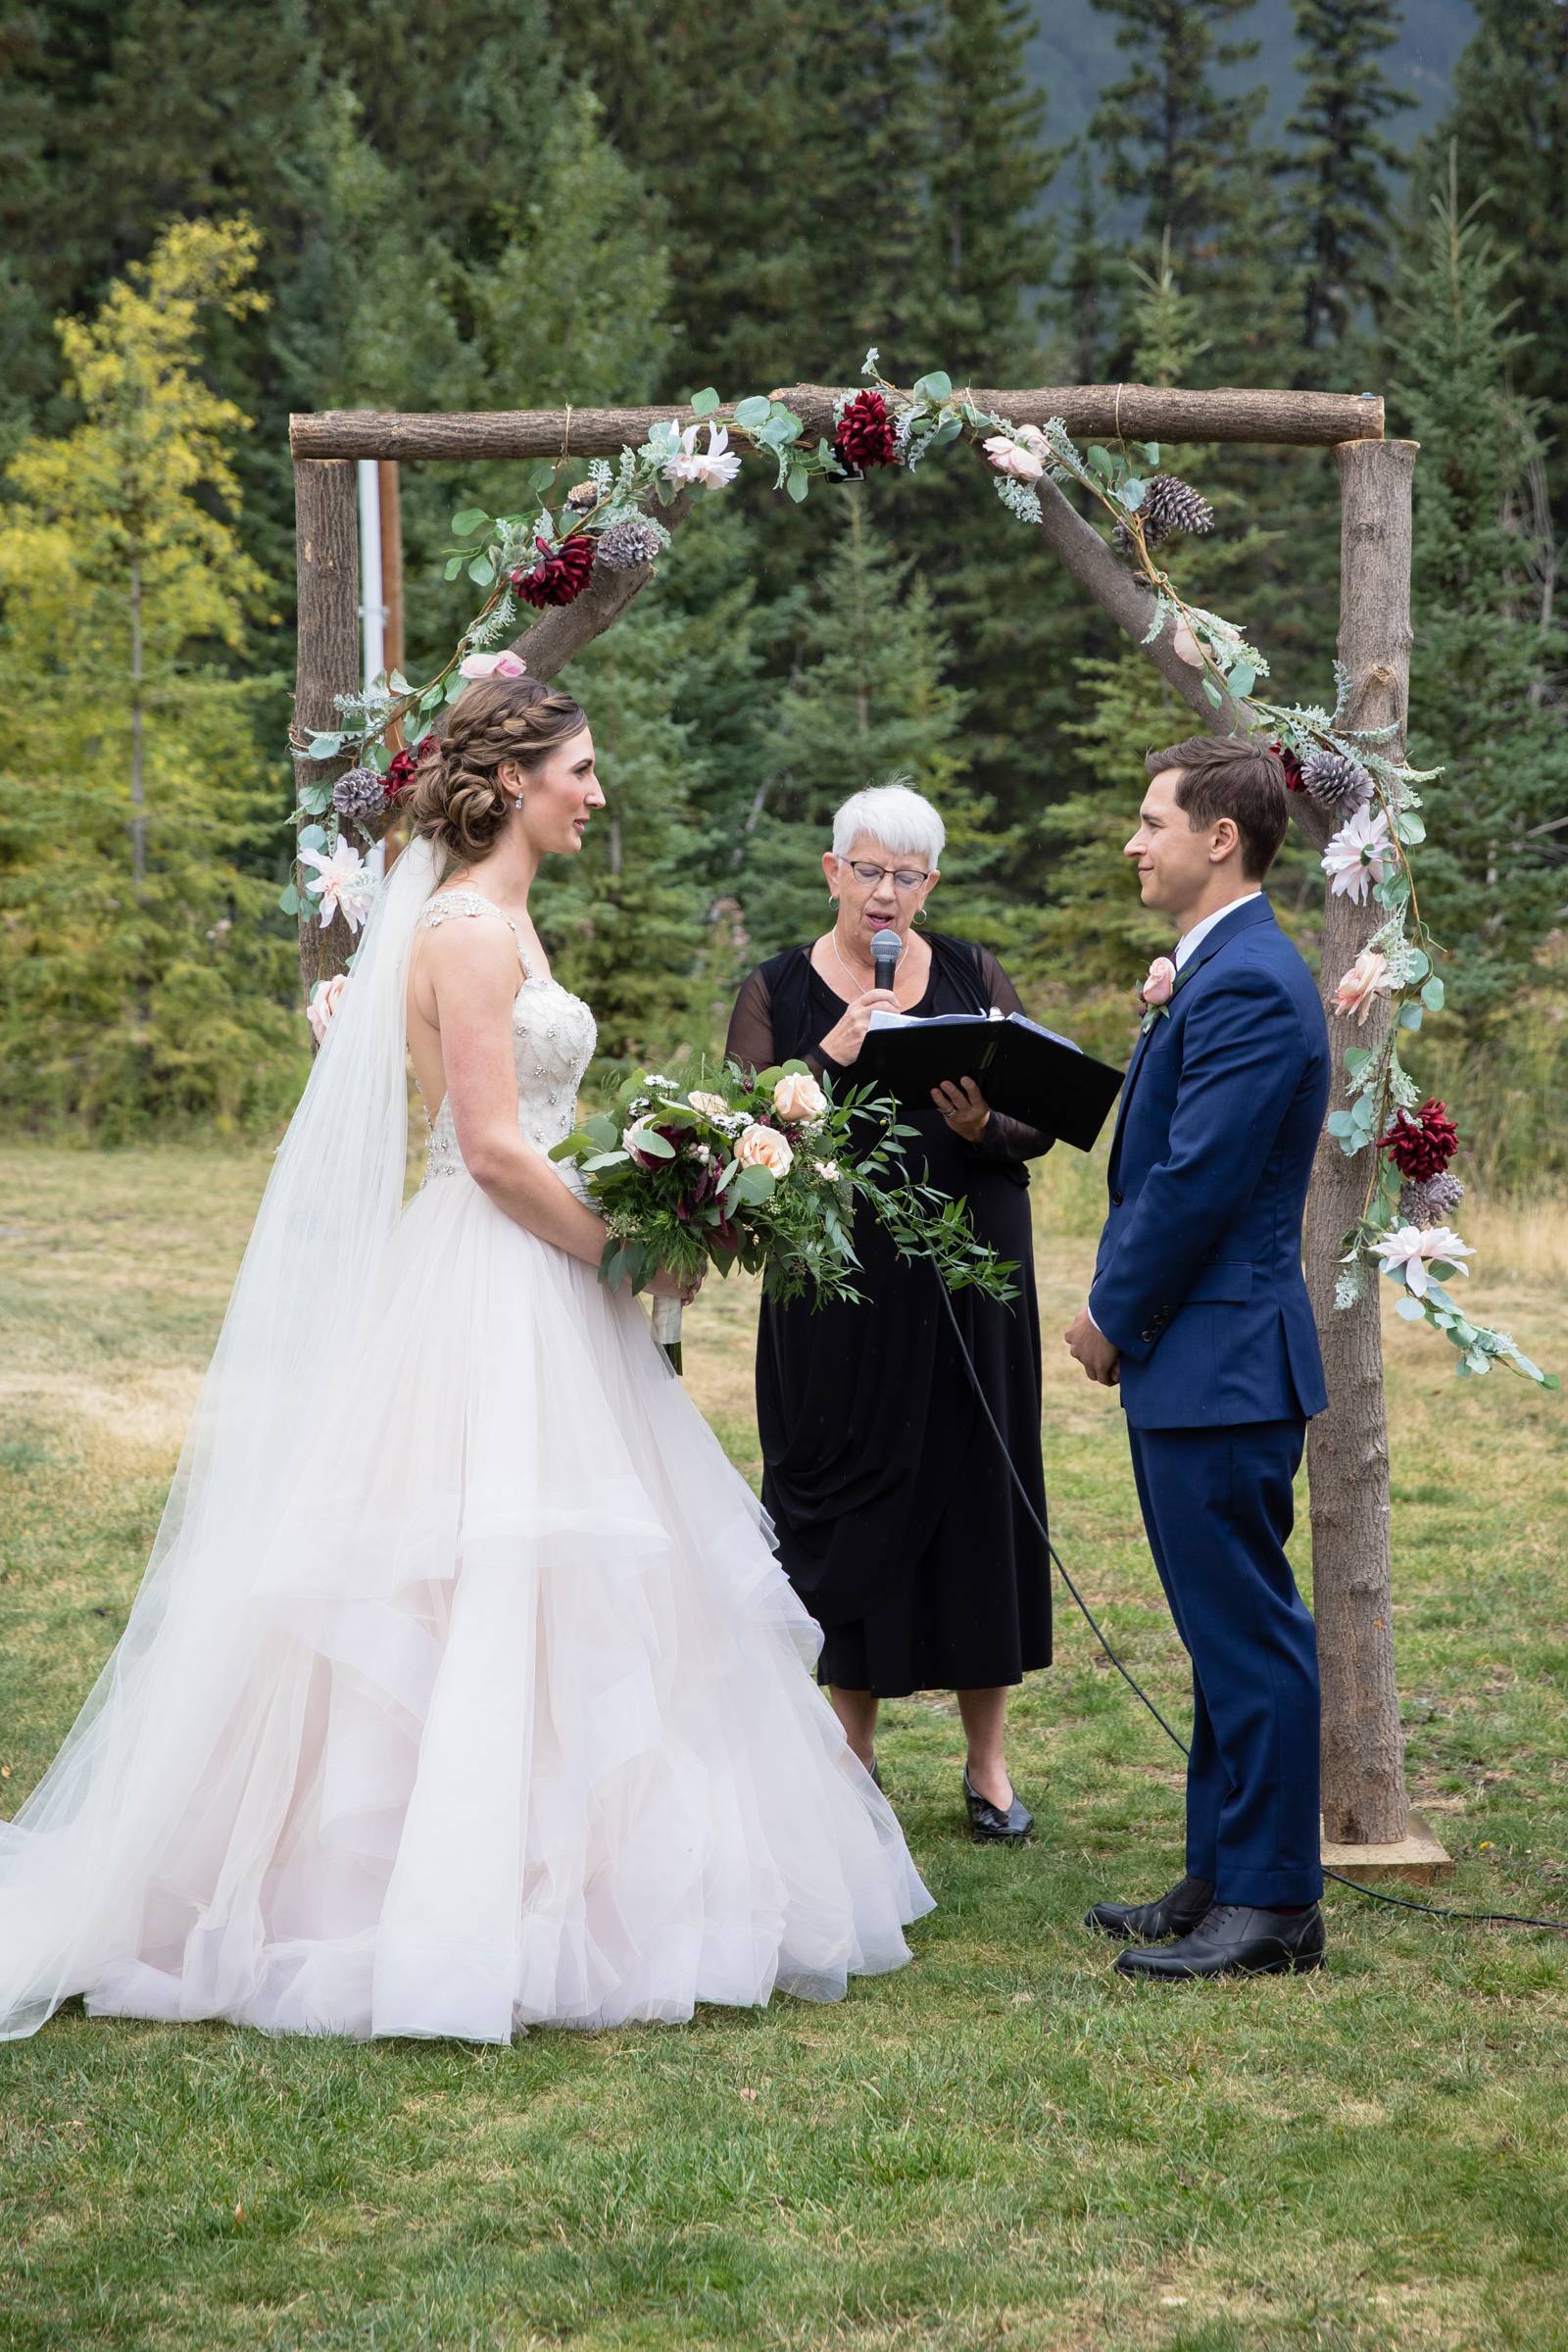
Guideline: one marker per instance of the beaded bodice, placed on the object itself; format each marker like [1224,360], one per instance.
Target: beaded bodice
[553,1038]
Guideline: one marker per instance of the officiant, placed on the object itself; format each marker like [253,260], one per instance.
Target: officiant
[898,1523]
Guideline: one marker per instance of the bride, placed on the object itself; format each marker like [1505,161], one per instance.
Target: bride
[463,1693]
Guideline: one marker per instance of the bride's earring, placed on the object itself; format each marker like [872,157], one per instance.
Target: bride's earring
[518,804]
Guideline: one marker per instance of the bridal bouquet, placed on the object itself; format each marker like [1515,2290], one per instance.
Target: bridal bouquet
[763,1173]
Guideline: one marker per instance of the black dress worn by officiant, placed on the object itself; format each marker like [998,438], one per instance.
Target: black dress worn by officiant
[898,1523]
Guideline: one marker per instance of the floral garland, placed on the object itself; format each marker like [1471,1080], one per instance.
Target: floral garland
[548,555]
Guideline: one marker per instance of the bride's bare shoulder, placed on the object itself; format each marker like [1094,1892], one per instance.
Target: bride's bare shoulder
[482,952]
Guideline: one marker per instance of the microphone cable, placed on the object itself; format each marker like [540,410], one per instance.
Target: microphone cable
[1373,1894]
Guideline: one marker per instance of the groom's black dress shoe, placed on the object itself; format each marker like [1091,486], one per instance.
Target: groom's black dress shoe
[1235,1939]
[995,1825]
[1175,1914]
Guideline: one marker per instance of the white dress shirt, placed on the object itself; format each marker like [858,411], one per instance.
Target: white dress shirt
[1191,941]
[1188,944]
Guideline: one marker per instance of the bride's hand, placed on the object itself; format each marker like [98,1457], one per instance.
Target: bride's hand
[666,1285]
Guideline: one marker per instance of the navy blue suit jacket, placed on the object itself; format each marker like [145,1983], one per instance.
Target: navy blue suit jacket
[1198,1280]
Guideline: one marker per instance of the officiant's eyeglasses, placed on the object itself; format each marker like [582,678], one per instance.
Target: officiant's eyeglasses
[905,877]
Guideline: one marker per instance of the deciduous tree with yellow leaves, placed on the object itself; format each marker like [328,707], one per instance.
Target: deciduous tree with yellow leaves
[140,985]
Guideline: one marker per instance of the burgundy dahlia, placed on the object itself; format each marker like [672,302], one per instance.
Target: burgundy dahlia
[1421,1143]
[561,574]
[865,435]
[401,772]
[1292,765]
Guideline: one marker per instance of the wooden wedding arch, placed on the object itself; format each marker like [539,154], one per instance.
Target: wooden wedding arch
[1367,1819]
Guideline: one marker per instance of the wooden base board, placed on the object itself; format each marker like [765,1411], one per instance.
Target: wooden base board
[1419,1858]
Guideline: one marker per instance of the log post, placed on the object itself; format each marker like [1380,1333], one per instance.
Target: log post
[326,532]
[1364,1796]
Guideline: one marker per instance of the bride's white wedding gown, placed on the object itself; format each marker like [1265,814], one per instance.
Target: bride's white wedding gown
[517,1725]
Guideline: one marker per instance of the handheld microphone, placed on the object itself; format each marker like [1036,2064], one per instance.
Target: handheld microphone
[886,948]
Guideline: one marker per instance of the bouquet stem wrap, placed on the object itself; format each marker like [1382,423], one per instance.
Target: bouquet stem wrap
[667,1314]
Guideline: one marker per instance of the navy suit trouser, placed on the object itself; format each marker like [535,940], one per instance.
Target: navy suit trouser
[1218,1507]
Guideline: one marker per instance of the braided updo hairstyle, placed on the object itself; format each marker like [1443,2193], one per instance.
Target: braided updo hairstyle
[456,798]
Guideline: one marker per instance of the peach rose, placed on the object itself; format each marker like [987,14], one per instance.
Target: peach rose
[1185,645]
[798,1097]
[323,1004]
[1362,984]
[764,1148]
[711,1106]
[1161,986]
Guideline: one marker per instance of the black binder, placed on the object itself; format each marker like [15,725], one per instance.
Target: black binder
[1026,1072]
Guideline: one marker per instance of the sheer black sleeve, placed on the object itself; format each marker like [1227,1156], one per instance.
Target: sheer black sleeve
[1004,1138]
[751,1025]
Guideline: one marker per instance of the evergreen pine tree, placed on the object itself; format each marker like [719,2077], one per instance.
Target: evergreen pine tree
[139,974]
[868,703]
[625,919]
[1488,657]
[1172,136]
[1084,307]
[1511,117]
[1341,166]
[991,251]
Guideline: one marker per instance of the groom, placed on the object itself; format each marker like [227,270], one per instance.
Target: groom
[1199,1310]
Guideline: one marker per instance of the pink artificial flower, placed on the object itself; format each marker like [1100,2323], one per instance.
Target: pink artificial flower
[1358,855]
[344,882]
[323,1004]
[1360,986]
[492,665]
[1007,456]
[1409,1252]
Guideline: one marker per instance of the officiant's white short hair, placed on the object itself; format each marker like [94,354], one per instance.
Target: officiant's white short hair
[894,814]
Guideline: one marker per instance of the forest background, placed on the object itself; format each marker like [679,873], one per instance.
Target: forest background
[214,217]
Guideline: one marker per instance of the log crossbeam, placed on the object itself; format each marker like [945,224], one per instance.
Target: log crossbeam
[1129,412]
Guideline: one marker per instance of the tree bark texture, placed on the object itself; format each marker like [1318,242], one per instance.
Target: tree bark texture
[1137,412]
[1364,1798]
[1125,595]
[326,532]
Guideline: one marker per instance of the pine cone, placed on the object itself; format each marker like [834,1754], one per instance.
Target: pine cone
[628,544]
[1432,1202]
[1169,504]
[1421,1143]
[865,434]
[583,494]
[1340,786]
[358,794]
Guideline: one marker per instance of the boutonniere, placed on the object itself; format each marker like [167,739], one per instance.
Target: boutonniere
[1156,993]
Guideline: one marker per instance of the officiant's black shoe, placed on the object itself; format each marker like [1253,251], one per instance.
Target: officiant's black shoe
[1233,1939]
[1175,1914]
[995,1825]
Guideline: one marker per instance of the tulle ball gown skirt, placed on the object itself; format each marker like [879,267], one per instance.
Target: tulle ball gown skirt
[512,1722]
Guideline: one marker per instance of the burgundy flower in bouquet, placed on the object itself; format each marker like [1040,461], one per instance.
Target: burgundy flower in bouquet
[1421,1143]
[865,435]
[561,574]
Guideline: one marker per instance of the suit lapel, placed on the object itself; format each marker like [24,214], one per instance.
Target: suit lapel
[1245,917]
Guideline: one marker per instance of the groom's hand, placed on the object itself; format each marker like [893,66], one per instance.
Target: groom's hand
[1090,1348]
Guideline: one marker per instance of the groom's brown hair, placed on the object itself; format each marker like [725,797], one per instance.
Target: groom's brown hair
[1230,775]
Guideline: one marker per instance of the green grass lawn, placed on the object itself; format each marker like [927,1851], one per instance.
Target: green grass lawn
[1005,2144]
